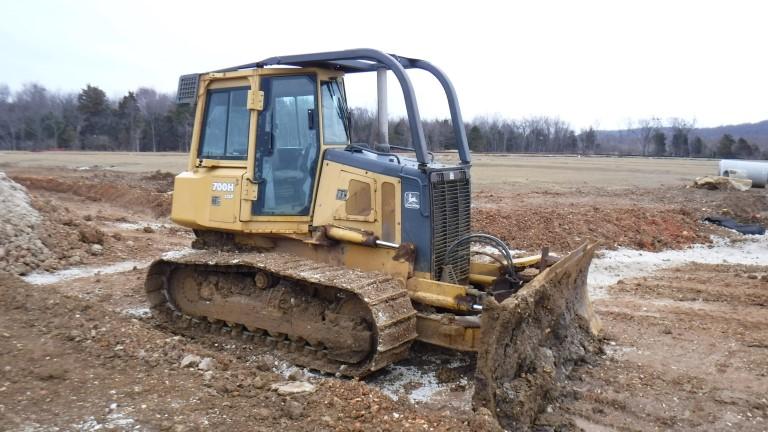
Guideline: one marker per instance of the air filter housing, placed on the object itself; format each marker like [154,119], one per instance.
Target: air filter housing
[187,91]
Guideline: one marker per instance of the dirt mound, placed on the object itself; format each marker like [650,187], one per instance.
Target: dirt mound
[21,250]
[116,188]
[749,207]
[42,234]
[162,176]
[71,239]
[564,228]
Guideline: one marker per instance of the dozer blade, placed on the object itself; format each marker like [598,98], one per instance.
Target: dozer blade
[531,340]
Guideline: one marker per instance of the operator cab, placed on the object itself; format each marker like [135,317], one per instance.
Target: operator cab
[271,144]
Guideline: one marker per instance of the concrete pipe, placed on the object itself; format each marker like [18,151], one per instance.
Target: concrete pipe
[756,171]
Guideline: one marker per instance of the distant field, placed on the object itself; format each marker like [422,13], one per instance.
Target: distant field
[121,161]
[509,171]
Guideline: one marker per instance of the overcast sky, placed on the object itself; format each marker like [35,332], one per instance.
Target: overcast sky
[587,62]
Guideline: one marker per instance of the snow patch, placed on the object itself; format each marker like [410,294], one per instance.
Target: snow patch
[175,254]
[137,226]
[419,383]
[611,266]
[399,377]
[44,278]
[115,420]
[137,312]
[618,351]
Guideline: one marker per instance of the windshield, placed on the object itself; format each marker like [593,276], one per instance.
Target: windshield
[335,120]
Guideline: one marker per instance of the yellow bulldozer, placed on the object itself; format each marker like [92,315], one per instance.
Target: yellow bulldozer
[341,255]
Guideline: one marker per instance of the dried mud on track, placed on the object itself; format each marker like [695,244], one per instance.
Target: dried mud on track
[685,346]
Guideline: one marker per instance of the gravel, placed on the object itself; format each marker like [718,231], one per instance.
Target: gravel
[22,250]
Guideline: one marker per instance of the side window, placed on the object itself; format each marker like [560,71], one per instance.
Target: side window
[334,114]
[225,129]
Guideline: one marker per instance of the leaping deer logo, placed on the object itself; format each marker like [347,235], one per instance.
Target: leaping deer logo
[412,200]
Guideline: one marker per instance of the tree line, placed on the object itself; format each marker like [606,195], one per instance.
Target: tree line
[484,134]
[648,137]
[35,118]
[677,137]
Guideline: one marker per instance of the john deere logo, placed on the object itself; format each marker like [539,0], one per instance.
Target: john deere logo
[412,200]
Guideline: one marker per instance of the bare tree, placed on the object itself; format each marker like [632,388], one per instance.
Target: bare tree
[153,105]
[680,130]
[33,104]
[8,119]
[645,130]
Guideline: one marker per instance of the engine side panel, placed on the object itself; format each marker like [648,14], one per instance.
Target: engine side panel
[358,198]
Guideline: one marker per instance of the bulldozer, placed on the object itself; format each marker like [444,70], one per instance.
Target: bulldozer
[340,255]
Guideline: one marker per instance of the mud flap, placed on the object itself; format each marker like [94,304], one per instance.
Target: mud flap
[530,341]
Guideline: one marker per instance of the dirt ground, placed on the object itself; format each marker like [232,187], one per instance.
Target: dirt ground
[687,350]
[685,347]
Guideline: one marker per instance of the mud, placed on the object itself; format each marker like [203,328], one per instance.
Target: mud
[686,351]
[533,340]
[361,307]
[71,364]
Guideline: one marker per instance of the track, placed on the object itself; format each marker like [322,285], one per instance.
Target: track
[327,318]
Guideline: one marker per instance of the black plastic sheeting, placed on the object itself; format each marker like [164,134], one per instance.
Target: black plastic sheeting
[753,229]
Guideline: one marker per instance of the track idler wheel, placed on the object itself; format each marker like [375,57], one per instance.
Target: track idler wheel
[264,280]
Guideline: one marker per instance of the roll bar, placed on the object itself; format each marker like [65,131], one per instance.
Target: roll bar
[369,60]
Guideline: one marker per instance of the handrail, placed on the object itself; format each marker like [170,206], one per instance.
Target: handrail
[459,132]
[411,107]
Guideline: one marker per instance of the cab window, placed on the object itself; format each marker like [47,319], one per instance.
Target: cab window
[287,145]
[226,124]
[335,120]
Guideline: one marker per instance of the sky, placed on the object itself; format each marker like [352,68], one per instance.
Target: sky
[589,63]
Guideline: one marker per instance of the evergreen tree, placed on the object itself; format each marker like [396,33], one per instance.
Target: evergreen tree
[725,146]
[183,117]
[659,143]
[400,133]
[680,143]
[572,142]
[743,149]
[698,147]
[588,139]
[94,107]
[476,139]
[129,122]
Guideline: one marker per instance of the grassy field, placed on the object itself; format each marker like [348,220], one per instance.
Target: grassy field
[489,170]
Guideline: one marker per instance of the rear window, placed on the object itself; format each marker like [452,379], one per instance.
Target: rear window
[226,124]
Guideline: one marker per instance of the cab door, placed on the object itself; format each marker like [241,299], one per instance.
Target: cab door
[287,146]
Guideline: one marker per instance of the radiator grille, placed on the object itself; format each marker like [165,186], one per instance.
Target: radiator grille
[451,203]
